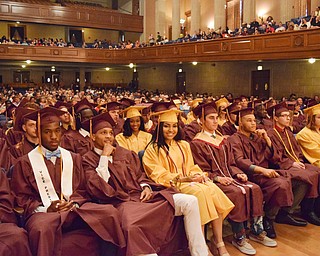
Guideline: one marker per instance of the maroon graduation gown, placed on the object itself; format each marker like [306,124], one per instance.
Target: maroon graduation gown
[13,240]
[310,175]
[118,127]
[191,130]
[218,161]
[265,124]
[228,128]
[22,148]
[46,229]
[76,143]
[277,192]
[5,157]
[150,226]
[13,137]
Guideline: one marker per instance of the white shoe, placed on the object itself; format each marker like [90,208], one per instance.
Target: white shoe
[263,239]
[244,246]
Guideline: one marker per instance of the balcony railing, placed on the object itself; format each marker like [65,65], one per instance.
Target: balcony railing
[286,45]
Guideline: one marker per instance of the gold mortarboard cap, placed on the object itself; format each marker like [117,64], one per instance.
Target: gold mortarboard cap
[168,115]
[133,111]
[314,110]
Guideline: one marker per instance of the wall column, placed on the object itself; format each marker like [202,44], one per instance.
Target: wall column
[287,10]
[175,19]
[219,14]
[195,16]
[249,11]
[82,82]
[160,19]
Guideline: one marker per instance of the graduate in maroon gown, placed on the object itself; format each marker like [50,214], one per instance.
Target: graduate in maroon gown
[252,149]
[78,141]
[260,113]
[114,109]
[67,119]
[289,157]
[147,210]
[213,154]
[49,184]
[28,128]
[229,127]
[13,240]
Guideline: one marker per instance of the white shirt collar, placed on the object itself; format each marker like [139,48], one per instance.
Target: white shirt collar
[210,134]
[84,133]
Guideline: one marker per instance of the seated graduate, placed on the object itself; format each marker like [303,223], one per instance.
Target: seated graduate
[214,155]
[67,120]
[309,137]
[114,109]
[49,185]
[114,176]
[253,151]
[134,136]
[289,157]
[28,128]
[222,104]
[230,127]
[168,161]
[78,141]
[13,240]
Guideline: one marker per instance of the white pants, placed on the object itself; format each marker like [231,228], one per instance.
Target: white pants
[187,205]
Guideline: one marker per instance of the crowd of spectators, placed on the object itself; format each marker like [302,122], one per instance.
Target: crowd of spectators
[253,28]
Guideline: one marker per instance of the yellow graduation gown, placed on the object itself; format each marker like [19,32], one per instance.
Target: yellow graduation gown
[134,143]
[309,142]
[158,166]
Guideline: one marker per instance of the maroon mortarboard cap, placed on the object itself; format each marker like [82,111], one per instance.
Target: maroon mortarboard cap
[81,105]
[277,109]
[311,102]
[244,112]
[127,102]
[113,105]
[291,104]
[10,110]
[269,103]
[98,122]
[47,115]
[60,104]
[147,108]
[235,106]
[205,109]
[253,104]
[172,105]
[160,106]
[20,117]
[23,102]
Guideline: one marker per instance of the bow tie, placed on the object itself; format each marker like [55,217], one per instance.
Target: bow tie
[56,153]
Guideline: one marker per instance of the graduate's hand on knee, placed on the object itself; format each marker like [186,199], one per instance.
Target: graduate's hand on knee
[54,206]
[198,178]
[298,165]
[226,181]
[242,177]
[270,173]
[146,194]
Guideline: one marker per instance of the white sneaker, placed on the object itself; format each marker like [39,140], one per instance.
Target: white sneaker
[263,239]
[244,246]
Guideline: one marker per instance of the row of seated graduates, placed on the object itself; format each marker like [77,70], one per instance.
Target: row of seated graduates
[6,168]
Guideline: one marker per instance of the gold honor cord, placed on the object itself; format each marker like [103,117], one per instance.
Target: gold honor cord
[293,155]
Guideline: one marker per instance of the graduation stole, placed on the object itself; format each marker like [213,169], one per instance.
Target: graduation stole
[292,154]
[43,179]
[235,183]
